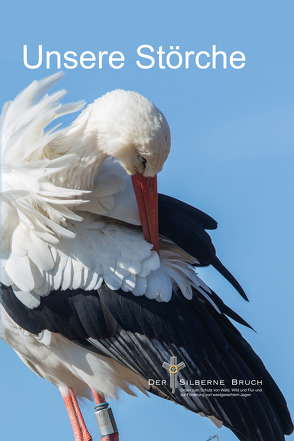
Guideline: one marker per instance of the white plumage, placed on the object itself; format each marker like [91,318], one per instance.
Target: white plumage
[58,203]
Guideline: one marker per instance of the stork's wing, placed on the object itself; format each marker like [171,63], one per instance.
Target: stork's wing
[142,334]
[185,225]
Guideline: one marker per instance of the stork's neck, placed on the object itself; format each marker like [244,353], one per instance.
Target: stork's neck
[82,140]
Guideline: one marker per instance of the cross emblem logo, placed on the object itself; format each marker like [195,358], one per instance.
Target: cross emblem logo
[173,367]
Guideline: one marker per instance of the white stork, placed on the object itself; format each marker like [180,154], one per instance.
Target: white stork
[92,300]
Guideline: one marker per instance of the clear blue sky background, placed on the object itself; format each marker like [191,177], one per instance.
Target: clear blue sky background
[232,156]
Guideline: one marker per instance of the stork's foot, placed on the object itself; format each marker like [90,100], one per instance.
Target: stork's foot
[76,418]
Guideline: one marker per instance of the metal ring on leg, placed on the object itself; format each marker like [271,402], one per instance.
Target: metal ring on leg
[105,419]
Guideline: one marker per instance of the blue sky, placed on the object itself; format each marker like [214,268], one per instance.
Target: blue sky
[232,156]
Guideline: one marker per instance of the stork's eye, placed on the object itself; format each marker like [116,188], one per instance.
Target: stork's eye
[143,160]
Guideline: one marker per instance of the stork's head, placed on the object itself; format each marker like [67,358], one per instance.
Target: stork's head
[131,129]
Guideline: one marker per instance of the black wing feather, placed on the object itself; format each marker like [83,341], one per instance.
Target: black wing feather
[179,222]
[217,264]
[141,334]
[185,226]
[206,221]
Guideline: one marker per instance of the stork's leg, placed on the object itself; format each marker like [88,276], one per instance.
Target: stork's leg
[99,399]
[85,433]
[75,416]
[72,417]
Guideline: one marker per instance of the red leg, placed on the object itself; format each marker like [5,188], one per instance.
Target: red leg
[75,416]
[72,417]
[100,398]
[85,433]
[112,437]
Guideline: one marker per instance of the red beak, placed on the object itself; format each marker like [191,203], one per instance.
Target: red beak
[147,200]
